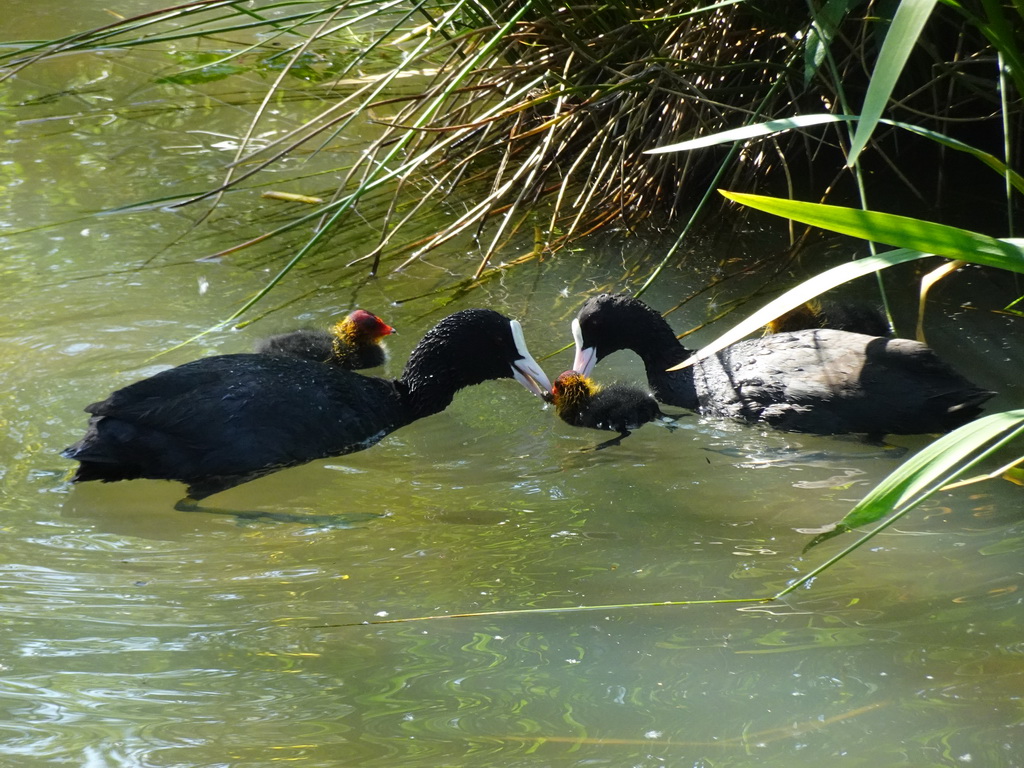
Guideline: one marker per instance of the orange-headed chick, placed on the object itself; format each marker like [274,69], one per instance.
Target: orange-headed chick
[352,343]
[616,407]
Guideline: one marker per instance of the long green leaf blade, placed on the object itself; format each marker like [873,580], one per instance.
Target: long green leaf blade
[760,130]
[906,26]
[939,463]
[915,480]
[751,132]
[923,238]
[825,25]
[899,231]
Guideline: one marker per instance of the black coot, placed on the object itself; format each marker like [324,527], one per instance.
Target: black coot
[221,421]
[821,381]
[837,315]
[353,342]
[615,407]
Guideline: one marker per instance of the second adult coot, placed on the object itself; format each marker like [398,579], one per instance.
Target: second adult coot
[353,342]
[821,381]
[221,421]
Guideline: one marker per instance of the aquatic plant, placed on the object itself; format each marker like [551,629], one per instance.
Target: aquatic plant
[505,114]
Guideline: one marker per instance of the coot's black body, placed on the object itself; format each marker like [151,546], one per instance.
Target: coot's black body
[820,381]
[221,421]
[352,343]
[617,407]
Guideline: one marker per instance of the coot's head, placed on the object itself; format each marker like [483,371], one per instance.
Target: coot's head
[473,346]
[571,392]
[613,321]
[361,326]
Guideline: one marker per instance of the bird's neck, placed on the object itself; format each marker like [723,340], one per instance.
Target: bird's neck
[424,398]
[658,346]
[429,384]
[661,351]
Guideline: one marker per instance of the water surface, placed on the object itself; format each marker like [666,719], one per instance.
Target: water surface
[135,635]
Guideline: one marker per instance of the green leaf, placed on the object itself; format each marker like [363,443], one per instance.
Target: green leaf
[824,534]
[750,132]
[826,22]
[899,231]
[917,479]
[759,130]
[906,26]
[919,238]
[941,462]
[987,158]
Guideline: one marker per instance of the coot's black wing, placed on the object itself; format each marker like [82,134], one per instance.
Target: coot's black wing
[922,393]
[791,381]
[223,420]
[622,408]
[828,382]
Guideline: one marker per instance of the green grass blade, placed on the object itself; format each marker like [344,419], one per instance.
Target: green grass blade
[1004,35]
[825,24]
[751,132]
[993,162]
[760,130]
[906,26]
[940,463]
[917,479]
[899,231]
[927,472]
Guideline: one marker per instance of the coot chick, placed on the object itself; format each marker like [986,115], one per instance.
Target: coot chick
[821,381]
[838,315]
[221,421]
[615,407]
[353,342]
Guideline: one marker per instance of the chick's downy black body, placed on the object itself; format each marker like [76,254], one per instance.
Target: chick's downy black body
[221,421]
[821,381]
[352,343]
[616,407]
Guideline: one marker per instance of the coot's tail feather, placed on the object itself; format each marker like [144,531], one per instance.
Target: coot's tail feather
[968,404]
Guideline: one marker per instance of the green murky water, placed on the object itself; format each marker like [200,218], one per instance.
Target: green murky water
[134,635]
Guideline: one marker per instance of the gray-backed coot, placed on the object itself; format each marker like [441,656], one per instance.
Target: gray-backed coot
[221,421]
[353,342]
[821,381]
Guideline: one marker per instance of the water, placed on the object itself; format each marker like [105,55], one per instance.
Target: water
[135,635]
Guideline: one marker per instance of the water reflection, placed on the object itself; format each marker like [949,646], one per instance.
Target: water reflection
[136,635]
